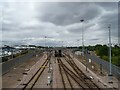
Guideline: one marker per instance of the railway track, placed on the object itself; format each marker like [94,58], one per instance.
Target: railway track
[62,69]
[69,73]
[76,74]
[31,83]
[81,75]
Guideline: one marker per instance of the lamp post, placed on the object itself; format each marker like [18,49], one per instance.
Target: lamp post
[45,40]
[46,50]
[82,20]
[83,48]
[78,43]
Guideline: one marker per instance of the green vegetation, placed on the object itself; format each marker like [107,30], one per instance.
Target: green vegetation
[103,52]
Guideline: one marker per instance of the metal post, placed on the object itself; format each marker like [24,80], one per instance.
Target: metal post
[86,59]
[78,44]
[49,66]
[110,73]
[82,37]
[100,68]
[45,42]
[83,49]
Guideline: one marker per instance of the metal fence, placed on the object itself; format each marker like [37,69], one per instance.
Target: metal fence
[6,66]
[105,65]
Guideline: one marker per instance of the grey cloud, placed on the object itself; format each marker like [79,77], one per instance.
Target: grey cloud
[9,27]
[77,28]
[61,21]
[112,19]
[69,13]
[108,5]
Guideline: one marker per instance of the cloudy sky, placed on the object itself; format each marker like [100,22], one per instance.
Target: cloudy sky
[30,22]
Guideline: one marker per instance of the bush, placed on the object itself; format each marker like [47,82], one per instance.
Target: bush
[4,59]
[24,52]
[115,60]
[106,58]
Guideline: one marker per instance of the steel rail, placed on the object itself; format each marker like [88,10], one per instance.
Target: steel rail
[44,64]
[60,69]
[71,74]
[79,72]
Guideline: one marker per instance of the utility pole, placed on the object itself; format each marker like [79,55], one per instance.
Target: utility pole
[109,27]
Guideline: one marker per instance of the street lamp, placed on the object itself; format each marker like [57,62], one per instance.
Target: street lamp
[45,41]
[82,20]
[83,49]
[78,43]
[46,50]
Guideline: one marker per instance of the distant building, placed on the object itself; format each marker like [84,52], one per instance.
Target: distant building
[8,50]
[79,53]
[25,47]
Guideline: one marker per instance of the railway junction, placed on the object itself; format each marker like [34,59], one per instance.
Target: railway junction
[58,69]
